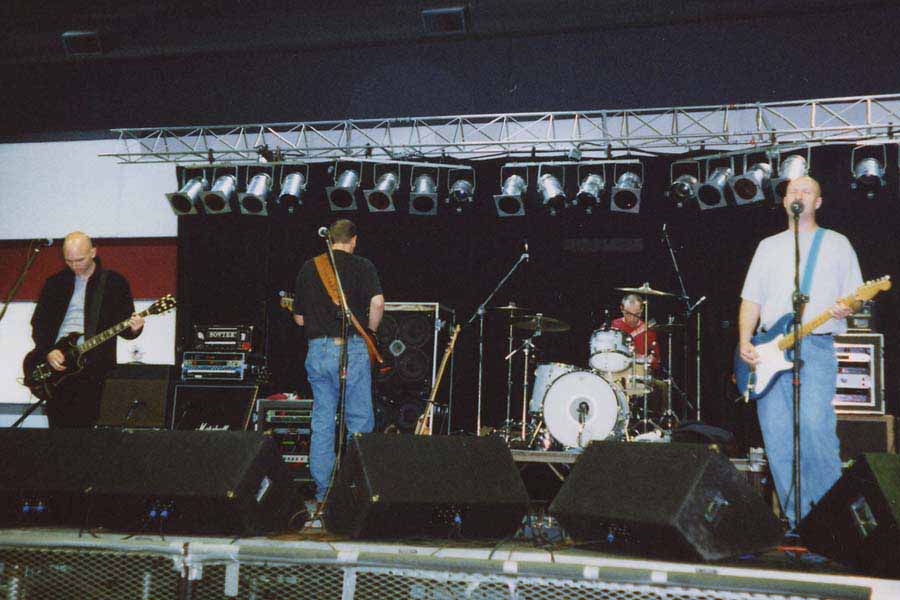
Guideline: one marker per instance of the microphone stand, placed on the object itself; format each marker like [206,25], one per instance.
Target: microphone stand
[34,248]
[479,314]
[689,309]
[345,356]
[798,301]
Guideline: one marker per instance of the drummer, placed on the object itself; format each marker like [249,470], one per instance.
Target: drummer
[630,322]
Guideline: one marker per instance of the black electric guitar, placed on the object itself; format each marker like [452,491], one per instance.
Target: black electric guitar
[43,380]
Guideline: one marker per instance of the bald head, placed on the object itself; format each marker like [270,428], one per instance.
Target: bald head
[807,192]
[79,253]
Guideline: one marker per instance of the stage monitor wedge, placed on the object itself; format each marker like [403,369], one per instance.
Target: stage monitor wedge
[395,486]
[677,501]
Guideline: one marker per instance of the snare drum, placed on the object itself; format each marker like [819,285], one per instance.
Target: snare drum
[544,375]
[610,350]
[581,406]
[637,378]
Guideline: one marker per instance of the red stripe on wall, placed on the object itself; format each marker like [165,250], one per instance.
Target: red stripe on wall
[150,264]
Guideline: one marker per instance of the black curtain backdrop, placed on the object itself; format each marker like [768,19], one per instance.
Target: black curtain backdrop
[232,268]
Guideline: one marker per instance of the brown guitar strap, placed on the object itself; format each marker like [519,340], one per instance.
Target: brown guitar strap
[329,280]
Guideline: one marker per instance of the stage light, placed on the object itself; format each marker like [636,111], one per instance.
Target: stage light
[423,197]
[749,187]
[868,176]
[253,200]
[626,194]
[218,200]
[510,202]
[683,188]
[381,197]
[342,195]
[184,201]
[553,196]
[460,195]
[711,193]
[792,167]
[589,192]
[292,187]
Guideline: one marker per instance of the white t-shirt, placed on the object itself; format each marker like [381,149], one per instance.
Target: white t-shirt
[74,319]
[770,278]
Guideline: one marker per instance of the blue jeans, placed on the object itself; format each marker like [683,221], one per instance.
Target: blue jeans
[820,461]
[323,371]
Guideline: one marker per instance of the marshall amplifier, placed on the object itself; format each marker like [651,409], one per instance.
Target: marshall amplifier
[224,338]
[214,365]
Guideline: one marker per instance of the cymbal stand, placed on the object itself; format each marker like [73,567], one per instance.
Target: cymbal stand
[479,314]
[509,381]
[669,419]
[526,348]
[647,365]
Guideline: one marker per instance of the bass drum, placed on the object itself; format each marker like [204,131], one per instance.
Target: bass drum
[544,375]
[581,406]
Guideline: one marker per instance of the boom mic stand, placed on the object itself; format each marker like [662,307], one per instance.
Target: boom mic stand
[479,314]
[689,309]
[799,300]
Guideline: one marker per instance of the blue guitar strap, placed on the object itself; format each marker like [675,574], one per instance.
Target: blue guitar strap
[806,283]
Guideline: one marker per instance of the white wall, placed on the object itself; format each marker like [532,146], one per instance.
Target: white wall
[156,345]
[52,188]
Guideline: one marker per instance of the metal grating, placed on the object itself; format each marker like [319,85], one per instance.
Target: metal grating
[201,571]
[85,575]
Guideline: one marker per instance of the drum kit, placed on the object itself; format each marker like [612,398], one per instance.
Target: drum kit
[569,406]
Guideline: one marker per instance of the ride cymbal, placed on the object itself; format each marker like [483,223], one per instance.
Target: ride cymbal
[539,322]
[645,290]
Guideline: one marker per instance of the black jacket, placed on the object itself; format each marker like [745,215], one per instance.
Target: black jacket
[116,305]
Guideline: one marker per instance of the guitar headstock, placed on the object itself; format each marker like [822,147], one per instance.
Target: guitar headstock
[164,304]
[869,289]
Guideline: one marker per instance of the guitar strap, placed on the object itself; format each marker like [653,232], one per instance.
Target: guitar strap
[329,280]
[92,318]
[806,283]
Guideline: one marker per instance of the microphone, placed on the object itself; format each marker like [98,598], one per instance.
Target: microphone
[45,242]
[796,207]
[323,232]
[525,254]
[664,228]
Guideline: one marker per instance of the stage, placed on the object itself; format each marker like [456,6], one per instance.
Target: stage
[310,563]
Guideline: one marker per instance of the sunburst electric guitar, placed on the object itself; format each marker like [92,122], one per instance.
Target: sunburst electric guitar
[774,346]
[43,380]
[423,425]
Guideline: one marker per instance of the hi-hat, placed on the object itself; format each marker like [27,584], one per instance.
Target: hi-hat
[539,322]
[666,326]
[644,290]
[511,308]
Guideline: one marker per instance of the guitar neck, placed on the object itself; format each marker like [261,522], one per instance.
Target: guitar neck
[107,334]
[788,340]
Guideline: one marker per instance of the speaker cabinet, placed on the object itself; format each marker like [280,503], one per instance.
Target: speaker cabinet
[157,481]
[679,501]
[223,407]
[135,395]
[865,433]
[856,521]
[410,486]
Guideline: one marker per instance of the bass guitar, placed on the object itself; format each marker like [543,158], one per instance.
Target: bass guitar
[43,380]
[423,425]
[774,346]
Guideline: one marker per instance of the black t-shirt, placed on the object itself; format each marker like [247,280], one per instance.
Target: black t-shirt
[321,316]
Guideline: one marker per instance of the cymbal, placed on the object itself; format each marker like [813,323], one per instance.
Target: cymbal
[540,322]
[511,308]
[666,326]
[645,290]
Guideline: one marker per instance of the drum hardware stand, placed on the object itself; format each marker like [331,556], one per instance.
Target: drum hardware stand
[479,314]
[526,348]
[669,419]
[688,311]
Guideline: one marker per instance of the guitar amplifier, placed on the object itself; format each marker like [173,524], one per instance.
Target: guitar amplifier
[223,338]
[214,365]
[860,377]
